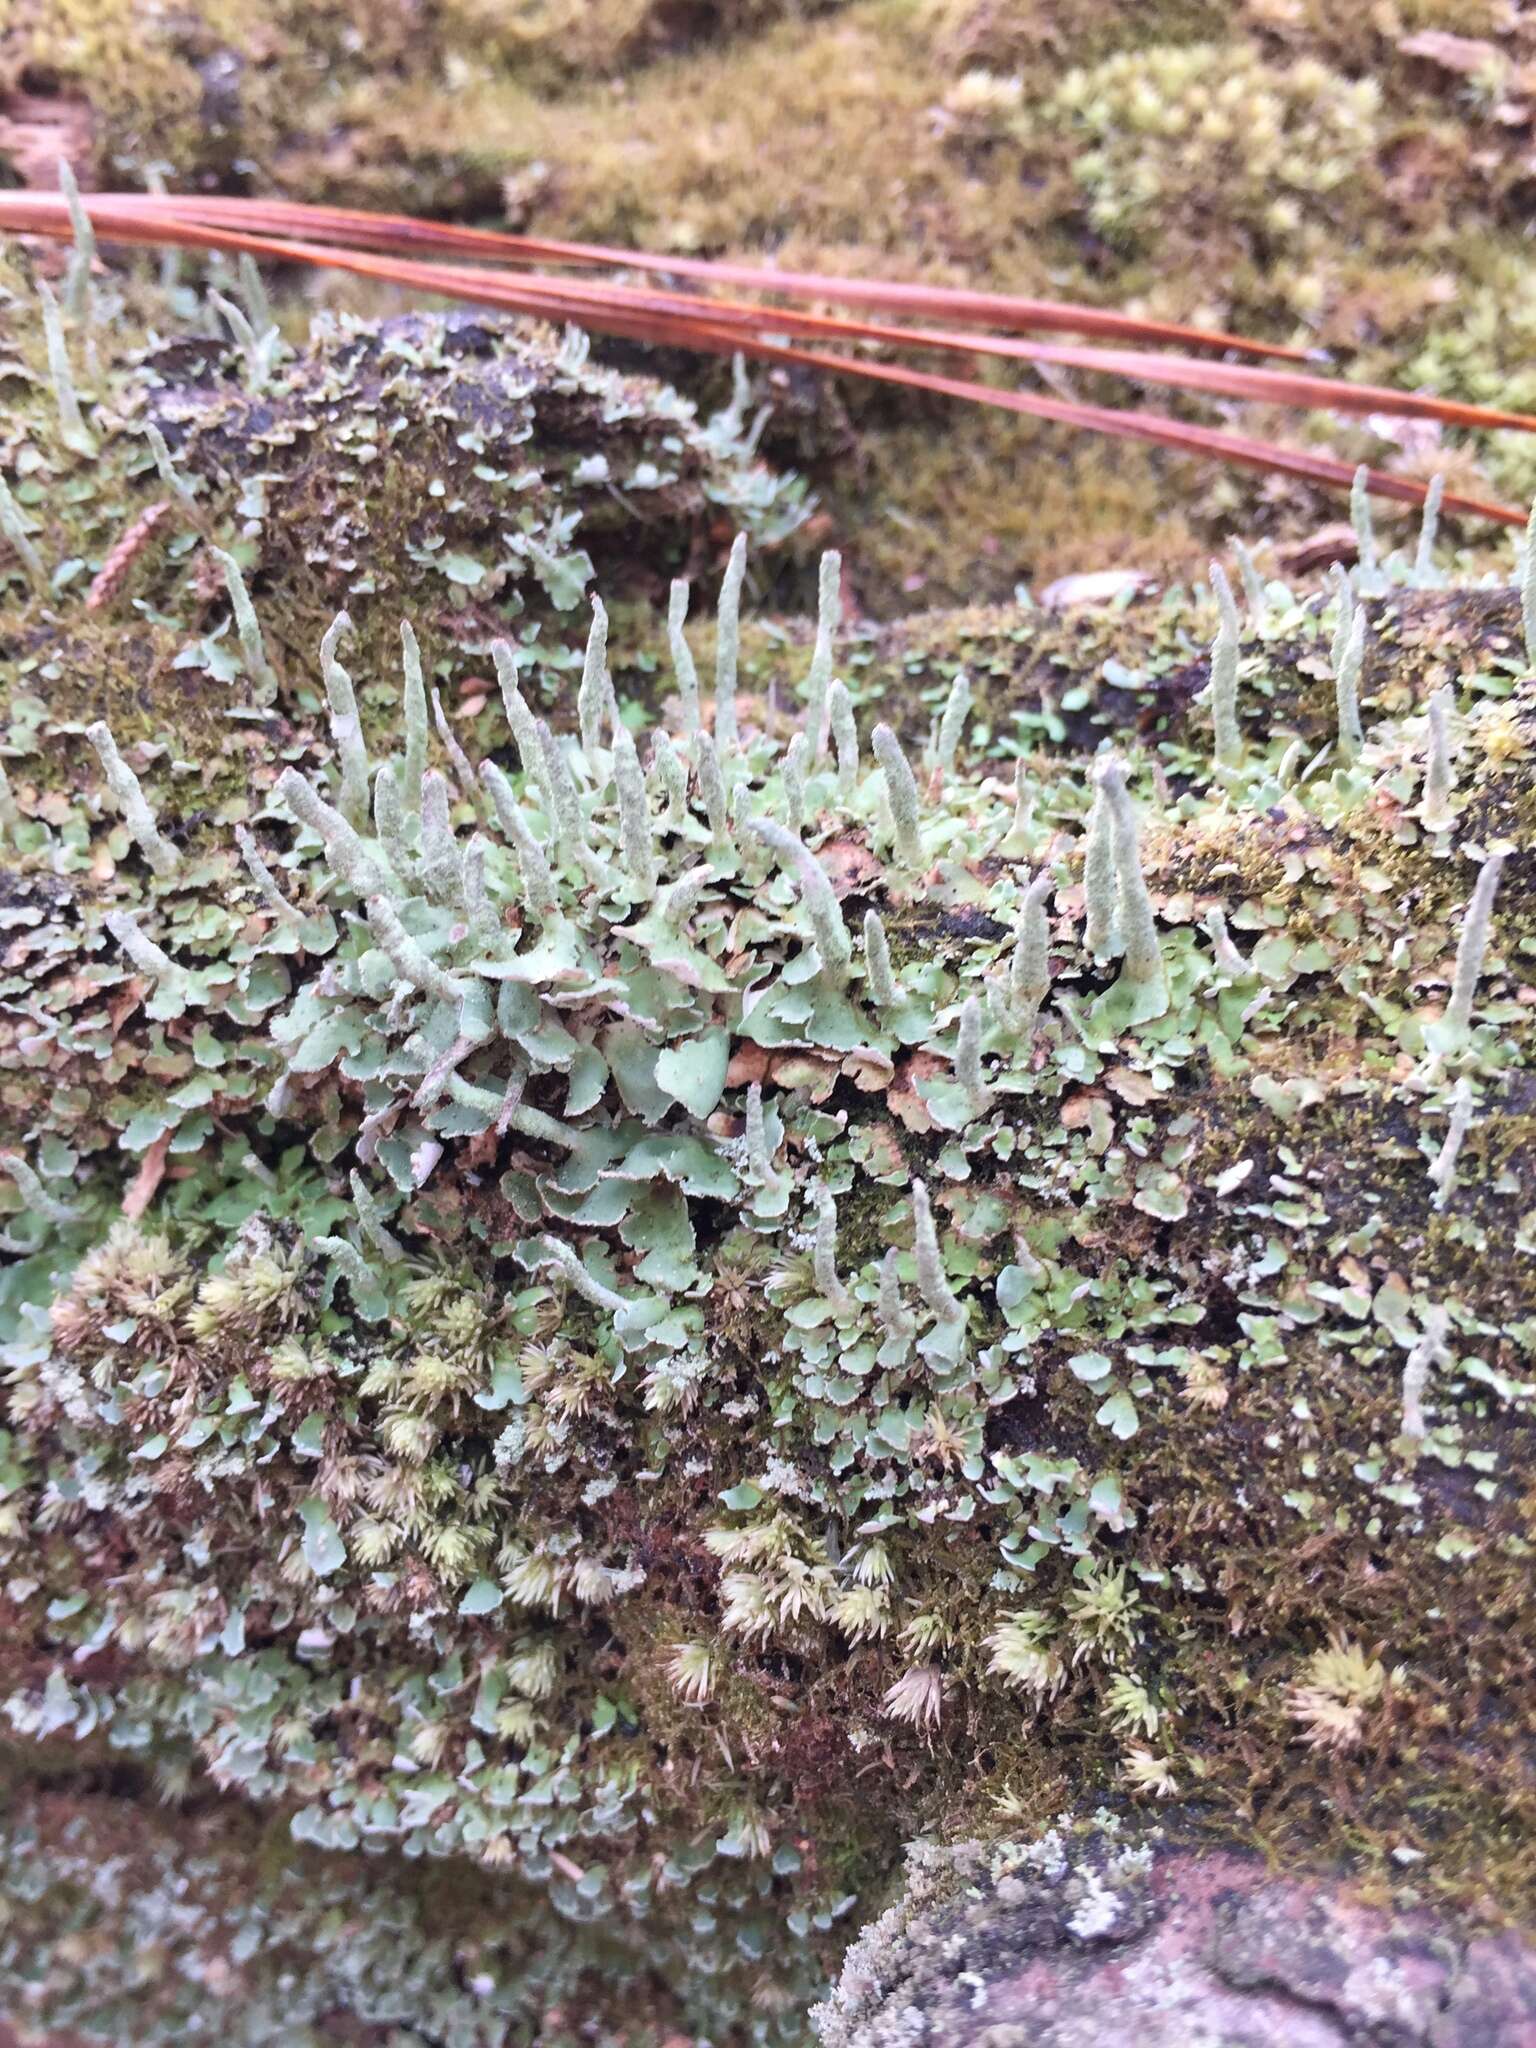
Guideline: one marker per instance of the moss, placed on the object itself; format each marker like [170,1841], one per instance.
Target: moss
[400,1551]
[457,475]
[562,43]
[965,510]
[1208,134]
[969,143]
[217,85]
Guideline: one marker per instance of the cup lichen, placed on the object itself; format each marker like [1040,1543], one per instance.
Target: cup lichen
[555,1362]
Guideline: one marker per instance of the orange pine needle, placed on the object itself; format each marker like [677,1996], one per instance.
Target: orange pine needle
[368,245]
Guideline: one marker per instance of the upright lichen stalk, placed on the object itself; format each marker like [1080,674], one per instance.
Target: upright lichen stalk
[1224,660]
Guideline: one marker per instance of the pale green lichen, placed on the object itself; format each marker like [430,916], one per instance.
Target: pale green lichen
[408,959]
[413,758]
[79,287]
[1100,893]
[1429,1352]
[10,811]
[901,795]
[169,475]
[828,611]
[1142,989]
[1470,949]
[345,851]
[636,836]
[1254,589]
[553,1251]
[401,1550]
[1425,574]
[816,893]
[1344,614]
[14,527]
[458,760]
[1226,955]
[1029,971]
[538,885]
[73,431]
[969,1071]
[728,644]
[264,879]
[879,975]
[1442,1172]
[126,787]
[845,737]
[1224,659]
[595,704]
[952,723]
[569,821]
[1347,673]
[683,665]
[259,348]
[1368,577]
[932,1281]
[797,758]
[253,649]
[146,956]
[346,724]
[1435,807]
[670,778]
[824,1254]
[712,792]
[36,1196]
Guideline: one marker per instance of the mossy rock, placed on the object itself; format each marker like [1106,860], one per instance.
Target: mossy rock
[604,1345]
[1100,1927]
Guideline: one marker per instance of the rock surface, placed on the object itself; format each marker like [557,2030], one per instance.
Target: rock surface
[1089,1937]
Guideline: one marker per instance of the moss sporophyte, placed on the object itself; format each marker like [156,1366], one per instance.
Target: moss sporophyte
[658,1289]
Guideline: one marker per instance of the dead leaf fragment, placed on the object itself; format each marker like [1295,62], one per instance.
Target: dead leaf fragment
[869,1069]
[1468,56]
[902,1095]
[849,864]
[749,1063]
[1329,544]
[141,1190]
[1131,1086]
[1099,586]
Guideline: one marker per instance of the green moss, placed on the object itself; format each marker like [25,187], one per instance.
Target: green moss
[1183,131]
[218,85]
[964,143]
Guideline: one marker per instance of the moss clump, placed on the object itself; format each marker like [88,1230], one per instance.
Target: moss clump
[1185,130]
[429,465]
[221,85]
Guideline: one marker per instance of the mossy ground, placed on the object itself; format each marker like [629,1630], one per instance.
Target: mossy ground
[1172,1449]
[973,142]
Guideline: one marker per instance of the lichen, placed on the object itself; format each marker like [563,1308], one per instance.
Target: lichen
[620,1319]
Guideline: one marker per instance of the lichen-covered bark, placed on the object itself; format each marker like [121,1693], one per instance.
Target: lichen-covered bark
[535,1350]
